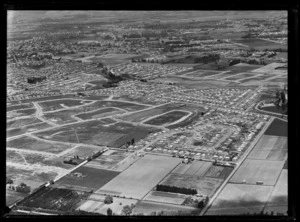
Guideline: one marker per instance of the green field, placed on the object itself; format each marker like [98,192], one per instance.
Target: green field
[253,170]
[277,128]
[29,143]
[92,179]
[166,118]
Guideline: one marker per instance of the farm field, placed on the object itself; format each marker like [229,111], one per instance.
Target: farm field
[253,170]
[55,199]
[17,107]
[272,69]
[197,168]
[278,80]
[260,44]
[59,104]
[92,179]
[279,195]
[148,207]
[29,143]
[240,76]
[277,128]
[165,197]
[203,185]
[13,196]
[137,180]
[270,148]
[237,199]
[27,128]
[237,69]
[218,172]
[93,132]
[100,113]
[22,122]
[166,118]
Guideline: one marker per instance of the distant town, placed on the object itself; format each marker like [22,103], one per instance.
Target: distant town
[110,113]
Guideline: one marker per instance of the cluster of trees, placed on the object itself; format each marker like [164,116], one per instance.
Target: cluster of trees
[174,189]
[23,188]
[108,199]
[127,210]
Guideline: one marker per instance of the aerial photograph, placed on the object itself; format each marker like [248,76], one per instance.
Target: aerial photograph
[147,113]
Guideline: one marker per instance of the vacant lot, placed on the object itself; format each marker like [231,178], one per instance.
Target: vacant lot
[148,207]
[137,180]
[22,122]
[203,185]
[92,178]
[100,113]
[237,199]
[165,197]
[260,44]
[59,104]
[29,143]
[166,118]
[20,112]
[279,195]
[258,170]
[270,148]
[26,129]
[17,107]
[277,128]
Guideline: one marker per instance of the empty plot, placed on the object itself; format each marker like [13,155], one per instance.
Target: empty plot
[16,107]
[167,118]
[270,148]
[258,170]
[137,180]
[27,128]
[100,113]
[165,197]
[22,122]
[29,143]
[279,196]
[240,76]
[59,104]
[240,199]
[91,178]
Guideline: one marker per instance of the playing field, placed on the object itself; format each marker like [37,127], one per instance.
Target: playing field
[29,143]
[91,179]
[203,185]
[279,195]
[237,199]
[277,128]
[166,118]
[253,170]
[165,197]
[270,148]
[137,180]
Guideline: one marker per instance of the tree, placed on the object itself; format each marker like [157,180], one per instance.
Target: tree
[127,210]
[109,212]
[108,199]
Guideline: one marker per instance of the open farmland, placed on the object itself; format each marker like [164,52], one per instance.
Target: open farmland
[197,168]
[137,180]
[62,103]
[27,128]
[100,113]
[277,128]
[218,172]
[203,185]
[236,199]
[270,148]
[29,143]
[55,199]
[18,123]
[92,179]
[165,197]
[94,132]
[166,118]
[253,170]
[260,44]
[148,207]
